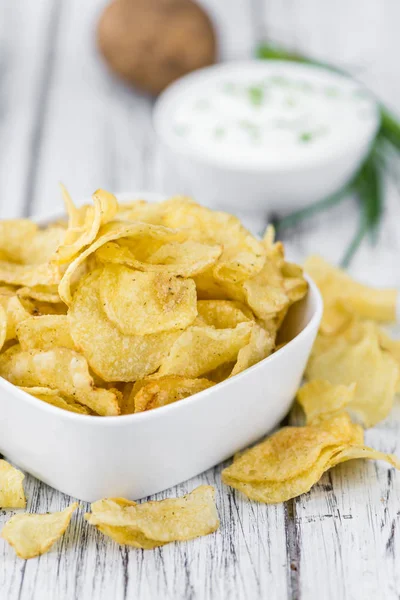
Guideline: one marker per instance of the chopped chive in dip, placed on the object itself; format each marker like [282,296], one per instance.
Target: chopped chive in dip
[219,132]
[306,136]
[256,95]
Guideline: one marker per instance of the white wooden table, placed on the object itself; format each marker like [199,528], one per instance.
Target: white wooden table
[63,117]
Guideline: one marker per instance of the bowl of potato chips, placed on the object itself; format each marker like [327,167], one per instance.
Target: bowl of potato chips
[143,342]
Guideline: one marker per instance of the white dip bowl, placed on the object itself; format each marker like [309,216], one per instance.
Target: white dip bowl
[263,135]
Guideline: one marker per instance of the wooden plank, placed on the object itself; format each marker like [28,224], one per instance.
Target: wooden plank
[245,558]
[25,42]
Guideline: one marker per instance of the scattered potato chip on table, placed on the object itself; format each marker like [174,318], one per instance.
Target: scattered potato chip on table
[12,493]
[31,535]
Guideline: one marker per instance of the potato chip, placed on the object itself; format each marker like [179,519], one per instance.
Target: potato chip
[12,493]
[31,535]
[291,450]
[260,345]
[344,297]
[200,349]
[272,492]
[156,523]
[15,314]
[166,390]
[60,369]
[356,356]
[112,355]
[145,303]
[42,246]
[29,275]
[243,255]
[186,258]
[222,314]
[54,398]
[45,332]
[293,459]
[15,235]
[85,225]
[320,399]
[3,326]
[114,231]
[43,293]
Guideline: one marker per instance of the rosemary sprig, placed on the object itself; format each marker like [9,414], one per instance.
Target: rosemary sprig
[366,184]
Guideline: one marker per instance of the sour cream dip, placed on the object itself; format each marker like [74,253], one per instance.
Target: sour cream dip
[268,116]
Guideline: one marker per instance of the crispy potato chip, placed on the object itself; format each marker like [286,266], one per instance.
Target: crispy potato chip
[292,450]
[320,399]
[112,355]
[85,225]
[166,390]
[344,297]
[393,347]
[43,293]
[54,398]
[200,349]
[45,332]
[145,303]
[260,345]
[355,355]
[15,314]
[243,255]
[272,492]
[60,369]
[29,275]
[3,326]
[42,246]
[152,524]
[31,535]
[141,232]
[222,314]
[15,234]
[12,493]
[186,258]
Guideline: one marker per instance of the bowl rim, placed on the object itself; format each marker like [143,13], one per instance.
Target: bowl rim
[353,145]
[313,295]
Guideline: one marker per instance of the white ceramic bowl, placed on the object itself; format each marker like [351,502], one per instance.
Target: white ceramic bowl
[138,455]
[278,185]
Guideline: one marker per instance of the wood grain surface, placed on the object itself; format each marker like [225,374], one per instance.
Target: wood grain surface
[64,117]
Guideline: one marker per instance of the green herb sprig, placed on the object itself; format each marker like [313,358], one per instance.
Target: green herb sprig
[367,183]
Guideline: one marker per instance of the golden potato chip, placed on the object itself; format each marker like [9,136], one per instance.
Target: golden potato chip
[260,345]
[60,369]
[222,314]
[320,399]
[393,347]
[3,326]
[45,332]
[43,293]
[42,246]
[278,285]
[141,232]
[200,349]
[15,234]
[112,355]
[355,355]
[31,535]
[85,225]
[54,398]
[344,297]
[29,275]
[15,314]
[12,493]
[242,256]
[272,492]
[291,450]
[152,524]
[186,258]
[166,390]
[144,303]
